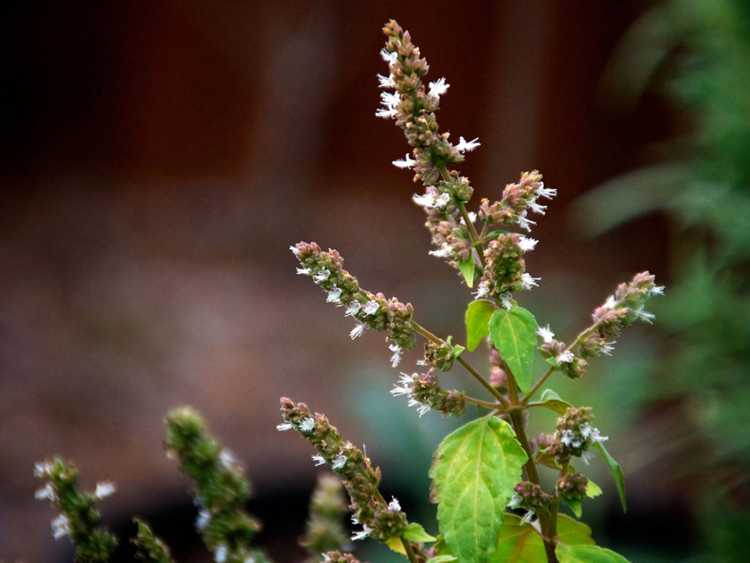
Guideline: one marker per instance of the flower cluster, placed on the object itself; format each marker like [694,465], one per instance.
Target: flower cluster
[149,548]
[441,354]
[498,377]
[325,529]
[338,557]
[573,435]
[424,392]
[559,355]
[531,497]
[571,487]
[516,202]
[221,489]
[78,518]
[370,310]
[360,478]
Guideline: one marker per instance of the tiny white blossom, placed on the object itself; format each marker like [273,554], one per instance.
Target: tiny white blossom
[307,425]
[334,296]
[104,489]
[294,250]
[204,517]
[524,222]
[424,200]
[515,501]
[526,243]
[220,555]
[357,331]
[567,438]
[537,208]
[322,275]
[643,315]
[386,113]
[445,251]
[389,56]
[548,193]
[371,307]
[362,534]
[438,88]
[611,302]
[506,301]
[483,289]
[303,271]
[472,217]
[42,469]
[608,348]
[546,334]
[319,460]
[528,517]
[565,357]
[386,81]
[442,200]
[249,559]
[467,146]
[406,162]
[284,427]
[528,281]
[339,462]
[60,526]
[396,355]
[353,308]
[46,492]
[394,505]
[404,385]
[657,290]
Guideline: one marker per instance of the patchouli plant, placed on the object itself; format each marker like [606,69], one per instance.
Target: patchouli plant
[492,505]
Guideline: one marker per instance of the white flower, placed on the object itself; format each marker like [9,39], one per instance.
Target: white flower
[334,296]
[284,427]
[394,505]
[442,200]
[303,271]
[294,250]
[404,385]
[386,81]
[656,290]
[515,501]
[104,489]
[607,348]
[567,438]
[249,559]
[528,517]
[565,357]
[307,425]
[389,102]
[46,492]
[526,243]
[537,208]
[204,517]
[422,408]
[548,193]
[506,301]
[371,307]
[528,281]
[483,289]
[406,162]
[357,331]
[386,113]
[319,460]
[467,146]
[339,462]
[389,56]
[362,534]
[353,308]
[445,251]
[524,222]
[545,334]
[472,217]
[220,555]
[610,303]
[60,526]
[396,356]
[439,87]
[643,315]
[322,275]
[42,469]
[426,200]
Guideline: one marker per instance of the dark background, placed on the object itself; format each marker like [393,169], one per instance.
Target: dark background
[160,157]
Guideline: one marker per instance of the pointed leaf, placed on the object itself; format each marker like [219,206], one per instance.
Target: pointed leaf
[416,533]
[395,544]
[552,401]
[442,559]
[592,489]
[616,470]
[467,269]
[513,332]
[521,543]
[473,474]
[587,554]
[477,319]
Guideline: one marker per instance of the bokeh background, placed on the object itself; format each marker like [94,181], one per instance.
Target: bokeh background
[160,157]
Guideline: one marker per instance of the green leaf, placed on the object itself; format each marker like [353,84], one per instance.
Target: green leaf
[473,473]
[457,350]
[616,470]
[513,333]
[467,269]
[521,543]
[416,533]
[587,554]
[576,506]
[477,319]
[552,401]
[442,559]
[592,489]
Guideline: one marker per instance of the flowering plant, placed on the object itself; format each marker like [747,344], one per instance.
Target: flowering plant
[492,505]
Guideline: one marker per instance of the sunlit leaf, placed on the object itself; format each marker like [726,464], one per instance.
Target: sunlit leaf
[567,553]
[477,319]
[467,269]
[513,332]
[416,533]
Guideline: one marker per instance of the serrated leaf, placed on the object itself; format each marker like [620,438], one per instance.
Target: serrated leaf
[521,543]
[395,544]
[467,269]
[477,318]
[416,533]
[473,474]
[513,332]
[587,554]
[616,470]
[552,401]
[592,489]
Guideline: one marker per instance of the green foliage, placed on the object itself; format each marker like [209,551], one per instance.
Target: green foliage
[616,471]
[551,400]
[521,543]
[513,332]
[587,554]
[149,548]
[468,269]
[477,318]
[416,533]
[473,473]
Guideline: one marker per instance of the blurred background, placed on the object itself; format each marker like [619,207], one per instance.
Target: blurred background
[160,157]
